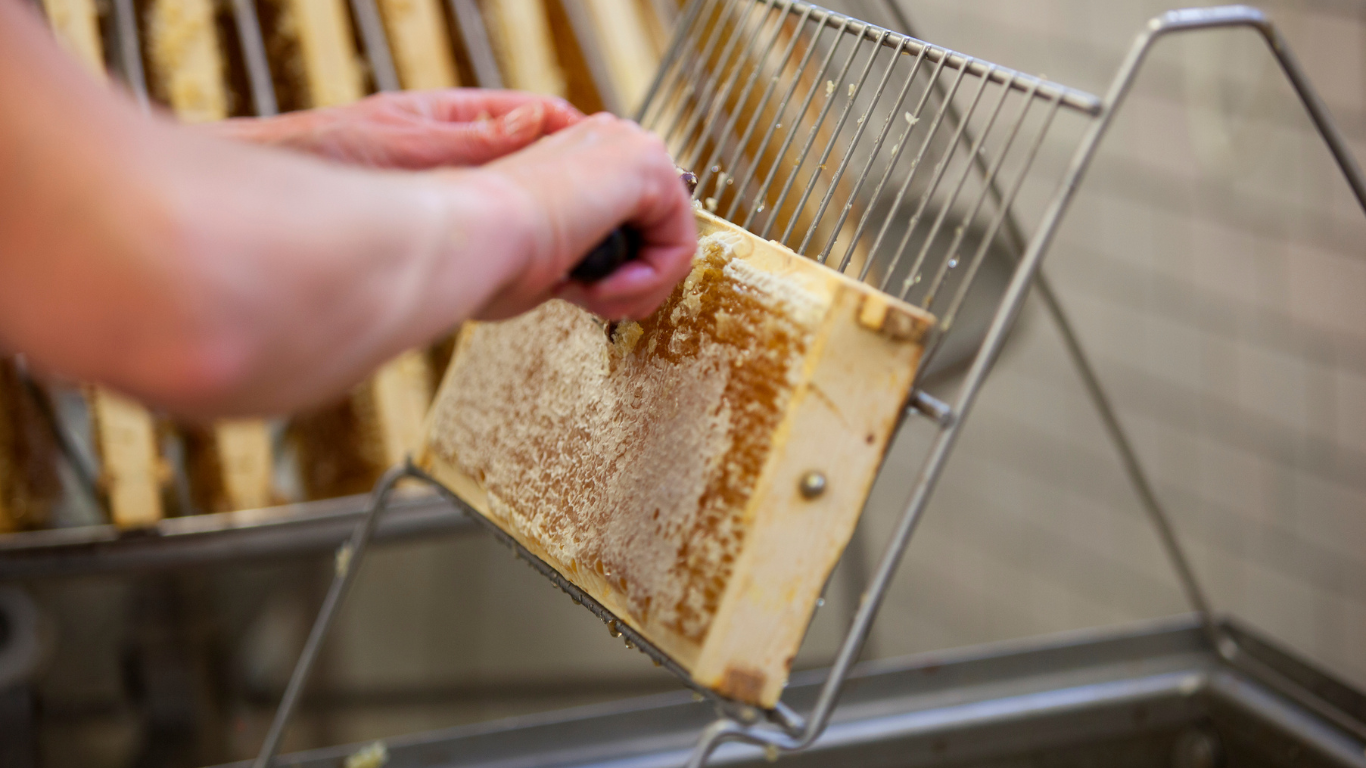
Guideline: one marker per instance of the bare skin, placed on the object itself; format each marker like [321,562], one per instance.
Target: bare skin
[257,267]
[412,131]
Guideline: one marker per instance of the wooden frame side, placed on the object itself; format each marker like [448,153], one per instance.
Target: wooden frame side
[522,41]
[810,498]
[402,393]
[229,465]
[76,24]
[628,48]
[838,426]
[659,27]
[132,472]
[124,434]
[417,36]
[245,463]
[330,62]
[187,67]
[29,483]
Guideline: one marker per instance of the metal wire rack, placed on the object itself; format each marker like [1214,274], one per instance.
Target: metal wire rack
[887,158]
[900,163]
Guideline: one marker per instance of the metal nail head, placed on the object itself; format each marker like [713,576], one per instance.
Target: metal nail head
[812,484]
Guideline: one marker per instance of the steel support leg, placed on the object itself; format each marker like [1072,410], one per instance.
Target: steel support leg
[349,557]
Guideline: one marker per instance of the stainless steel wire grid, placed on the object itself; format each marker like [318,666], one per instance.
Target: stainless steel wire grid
[887,158]
[902,164]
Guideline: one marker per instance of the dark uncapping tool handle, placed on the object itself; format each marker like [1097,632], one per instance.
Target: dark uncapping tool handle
[621,246]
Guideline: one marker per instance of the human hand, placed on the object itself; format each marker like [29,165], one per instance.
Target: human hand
[575,187]
[413,130]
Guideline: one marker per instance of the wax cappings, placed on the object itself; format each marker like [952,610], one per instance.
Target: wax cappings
[632,457]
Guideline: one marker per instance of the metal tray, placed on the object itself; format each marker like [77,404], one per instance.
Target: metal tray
[286,530]
[1156,695]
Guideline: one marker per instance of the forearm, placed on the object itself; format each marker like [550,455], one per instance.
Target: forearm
[211,295]
[209,277]
[301,291]
[215,278]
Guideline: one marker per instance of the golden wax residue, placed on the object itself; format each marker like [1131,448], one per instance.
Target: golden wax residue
[374,755]
[625,337]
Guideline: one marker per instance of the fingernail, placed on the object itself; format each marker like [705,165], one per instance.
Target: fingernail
[627,281]
[524,119]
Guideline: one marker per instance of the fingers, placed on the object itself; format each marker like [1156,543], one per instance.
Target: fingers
[460,127]
[637,288]
[415,130]
[584,181]
[633,292]
[663,215]
[463,105]
[472,143]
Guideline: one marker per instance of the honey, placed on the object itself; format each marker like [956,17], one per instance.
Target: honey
[631,452]
[29,484]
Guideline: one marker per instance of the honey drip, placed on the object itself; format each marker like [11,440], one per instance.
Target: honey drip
[632,453]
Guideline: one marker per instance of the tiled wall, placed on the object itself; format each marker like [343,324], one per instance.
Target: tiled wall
[1215,265]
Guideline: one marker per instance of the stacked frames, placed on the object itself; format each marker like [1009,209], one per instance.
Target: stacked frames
[315,62]
[76,24]
[124,433]
[538,50]
[630,45]
[344,448]
[311,45]
[524,41]
[29,484]
[229,463]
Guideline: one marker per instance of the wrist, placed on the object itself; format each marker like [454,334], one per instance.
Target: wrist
[511,218]
[288,130]
[474,228]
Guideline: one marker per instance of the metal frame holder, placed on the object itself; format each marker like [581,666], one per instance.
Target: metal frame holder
[376,43]
[475,37]
[254,53]
[350,555]
[1026,274]
[130,52]
[781,729]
